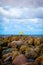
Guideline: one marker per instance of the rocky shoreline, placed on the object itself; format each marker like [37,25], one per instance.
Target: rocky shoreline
[21,50]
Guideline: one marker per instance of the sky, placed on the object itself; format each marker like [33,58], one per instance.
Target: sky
[21,16]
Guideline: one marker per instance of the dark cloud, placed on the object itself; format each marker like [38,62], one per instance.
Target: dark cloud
[22,3]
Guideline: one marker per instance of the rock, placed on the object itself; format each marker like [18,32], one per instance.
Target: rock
[25,64]
[12,45]
[39,60]
[37,49]
[30,63]
[41,63]
[8,50]
[1,43]
[41,49]
[36,41]
[15,43]
[8,58]
[19,60]
[6,55]
[30,41]
[1,63]
[1,52]
[31,60]
[23,49]
[14,54]
[30,53]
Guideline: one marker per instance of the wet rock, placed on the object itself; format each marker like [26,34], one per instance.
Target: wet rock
[19,60]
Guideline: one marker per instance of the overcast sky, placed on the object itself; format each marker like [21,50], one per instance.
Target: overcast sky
[21,16]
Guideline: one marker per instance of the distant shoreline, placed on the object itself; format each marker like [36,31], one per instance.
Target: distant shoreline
[22,35]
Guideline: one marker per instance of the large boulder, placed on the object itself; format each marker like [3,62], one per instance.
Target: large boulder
[19,60]
[15,43]
[18,42]
[30,53]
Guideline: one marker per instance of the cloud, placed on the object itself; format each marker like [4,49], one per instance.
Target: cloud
[12,12]
[22,3]
[6,20]
[22,13]
[28,26]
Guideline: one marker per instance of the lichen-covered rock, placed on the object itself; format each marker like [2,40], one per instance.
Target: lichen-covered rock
[36,41]
[30,53]
[37,49]
[12,45]
[6,55]
[8,50]
[1,43]
[25,64]
[41,49]
[39,60]
[30,63]
[14,54]
[15,43]
[41,39]
[30,41]
[19,60]
[23,49]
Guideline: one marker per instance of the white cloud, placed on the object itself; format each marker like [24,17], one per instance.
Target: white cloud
[15,12]
[3,11]
[35,20]
[23,13]
[12,12]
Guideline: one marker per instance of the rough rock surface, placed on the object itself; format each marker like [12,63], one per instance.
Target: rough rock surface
[19,60]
